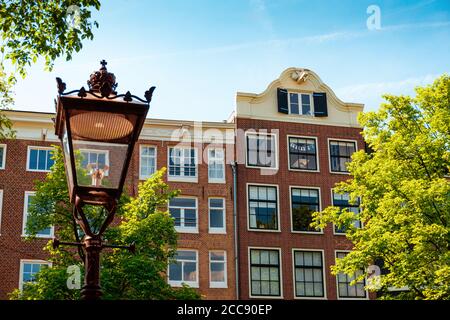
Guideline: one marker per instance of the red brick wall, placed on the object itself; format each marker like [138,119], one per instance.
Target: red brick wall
[15,180]
[203,241]
[286,240]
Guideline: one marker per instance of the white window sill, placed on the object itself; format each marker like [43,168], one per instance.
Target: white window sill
[263,230]
[307,232]
[222,181]
[143,178]
[182,179]
[218,285]
[41,236]
[217,231]
[180,284]
[33,170]
[340,172]
[186,230]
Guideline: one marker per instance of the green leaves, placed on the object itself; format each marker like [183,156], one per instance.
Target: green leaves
[30,30]
[405,194]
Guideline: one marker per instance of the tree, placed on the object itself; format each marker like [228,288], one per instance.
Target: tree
[405,195]
[144,220]
[38,29]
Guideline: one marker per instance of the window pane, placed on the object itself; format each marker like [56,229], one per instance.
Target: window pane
[256,288]
[265,288]
[255,257]
[182,202]
[176,214]
[256,275]
[175,273]
[274,288]
[186,255]
[216,203]
[217,271]
[216,218]
[217,256]
[190,271]
[42,159]
[190,219]
[274,274]
[317,259]
[33,159]
[2,150]
[264,257]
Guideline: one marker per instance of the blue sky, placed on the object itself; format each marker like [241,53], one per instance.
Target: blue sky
[199,53]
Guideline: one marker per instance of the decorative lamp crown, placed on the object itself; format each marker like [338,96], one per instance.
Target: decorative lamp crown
[102,81]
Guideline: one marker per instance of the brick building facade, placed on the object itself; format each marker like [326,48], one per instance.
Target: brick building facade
[286,143]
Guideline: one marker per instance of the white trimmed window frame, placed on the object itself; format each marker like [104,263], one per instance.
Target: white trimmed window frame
[291,213]
[337,282]
[275,150]
[334,226]
[28,261]
[218,284]
[141,156]
[280,266]
[300,107]
[182,177]
[3,159]
[182,228]
[289,154]
[29,148]
[193,284]
[220,161]
[323,274]
[329,153]
[99,151]
[25,218]
[248,207]
[214,230]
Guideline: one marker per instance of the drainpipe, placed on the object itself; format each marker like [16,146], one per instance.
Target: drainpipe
[236,240]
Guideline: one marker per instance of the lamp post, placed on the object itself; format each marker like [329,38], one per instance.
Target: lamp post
[98,129]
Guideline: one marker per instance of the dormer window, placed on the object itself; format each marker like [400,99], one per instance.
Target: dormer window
[310,104]
[300,103]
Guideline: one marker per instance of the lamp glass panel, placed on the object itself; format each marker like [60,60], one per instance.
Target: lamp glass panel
[99,164]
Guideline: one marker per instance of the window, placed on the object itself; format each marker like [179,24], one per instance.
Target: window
[216,215]
[183,163]
[218,269]
[2,156]
[309,277]
[261,150]
[302,154]
[341,153]
[92,159]
[147,162]
[184,269]
[39,159]
[216,165]
[265,272]
[300,103]
[28,270]
[44,233]
[263,207]
[342,201]
[304,202]
[345,290]
[184,211]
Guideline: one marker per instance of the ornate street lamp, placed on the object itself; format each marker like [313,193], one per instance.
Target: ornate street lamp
[98,130]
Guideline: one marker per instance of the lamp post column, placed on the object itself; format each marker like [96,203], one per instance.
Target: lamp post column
[91,289]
